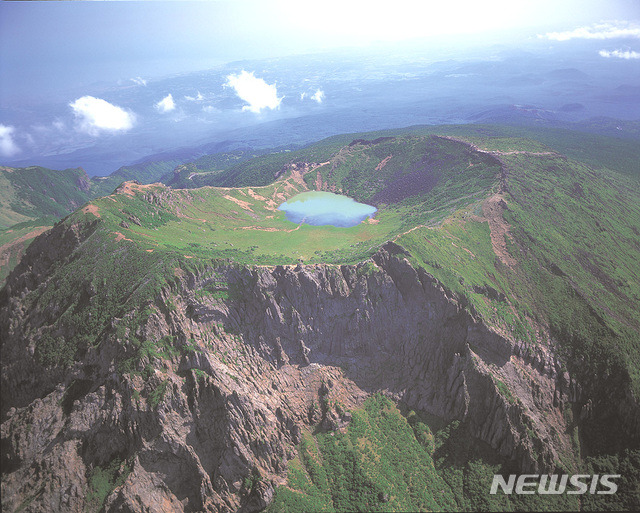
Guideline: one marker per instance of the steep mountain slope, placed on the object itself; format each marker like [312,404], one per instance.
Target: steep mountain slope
[35,192]
[32,199]
[190,350]
[35,197]
[16,239]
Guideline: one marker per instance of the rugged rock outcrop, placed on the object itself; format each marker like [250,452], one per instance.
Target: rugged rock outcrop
[209,422]
[392,327]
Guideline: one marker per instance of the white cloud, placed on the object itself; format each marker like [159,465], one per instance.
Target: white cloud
[8,147]
[620,54]
[139,81]
[209,108]
[609,30]
[318,96]
[166,104]
[255,91]
[96,115]
[197,98]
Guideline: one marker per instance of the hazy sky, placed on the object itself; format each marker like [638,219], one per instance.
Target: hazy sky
[51,45]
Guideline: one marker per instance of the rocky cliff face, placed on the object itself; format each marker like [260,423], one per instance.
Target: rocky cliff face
[391,327]
[208,421]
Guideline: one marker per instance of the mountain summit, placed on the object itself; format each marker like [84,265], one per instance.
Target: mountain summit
[192,350]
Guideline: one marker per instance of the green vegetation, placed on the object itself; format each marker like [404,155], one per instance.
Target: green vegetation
[377,465]
[561,219]
[87,297]
[35,192]
[240,225]
[419,173]
[460,255]
[157,394]
[148,355]
[145,172]
[15,240]
[614,153]
[18,230]
[505,392]
[387,461]
[103,480]
[201,171]
[627,465]
[37,197]
[523,237]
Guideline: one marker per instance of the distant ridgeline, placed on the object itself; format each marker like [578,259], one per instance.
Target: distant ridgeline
[188,345]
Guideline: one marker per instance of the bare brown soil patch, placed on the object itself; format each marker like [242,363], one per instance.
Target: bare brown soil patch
[383,162]
[130,188]
[297,177]
[493,209]
[91,209]
[126,188]
[242,204]
[268,229]
[255,196]
[120,237]
[409,231]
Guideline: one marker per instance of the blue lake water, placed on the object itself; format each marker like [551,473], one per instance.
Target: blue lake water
[321,208]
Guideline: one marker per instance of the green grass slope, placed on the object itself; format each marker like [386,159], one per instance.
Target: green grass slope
[536,243]
[16,239]
[33,192]
[199,172]
[32,199]
[389,460]
[41,196]
[245,225]
[241,225]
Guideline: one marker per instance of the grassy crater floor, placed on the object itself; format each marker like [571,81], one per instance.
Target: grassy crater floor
[242,224]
